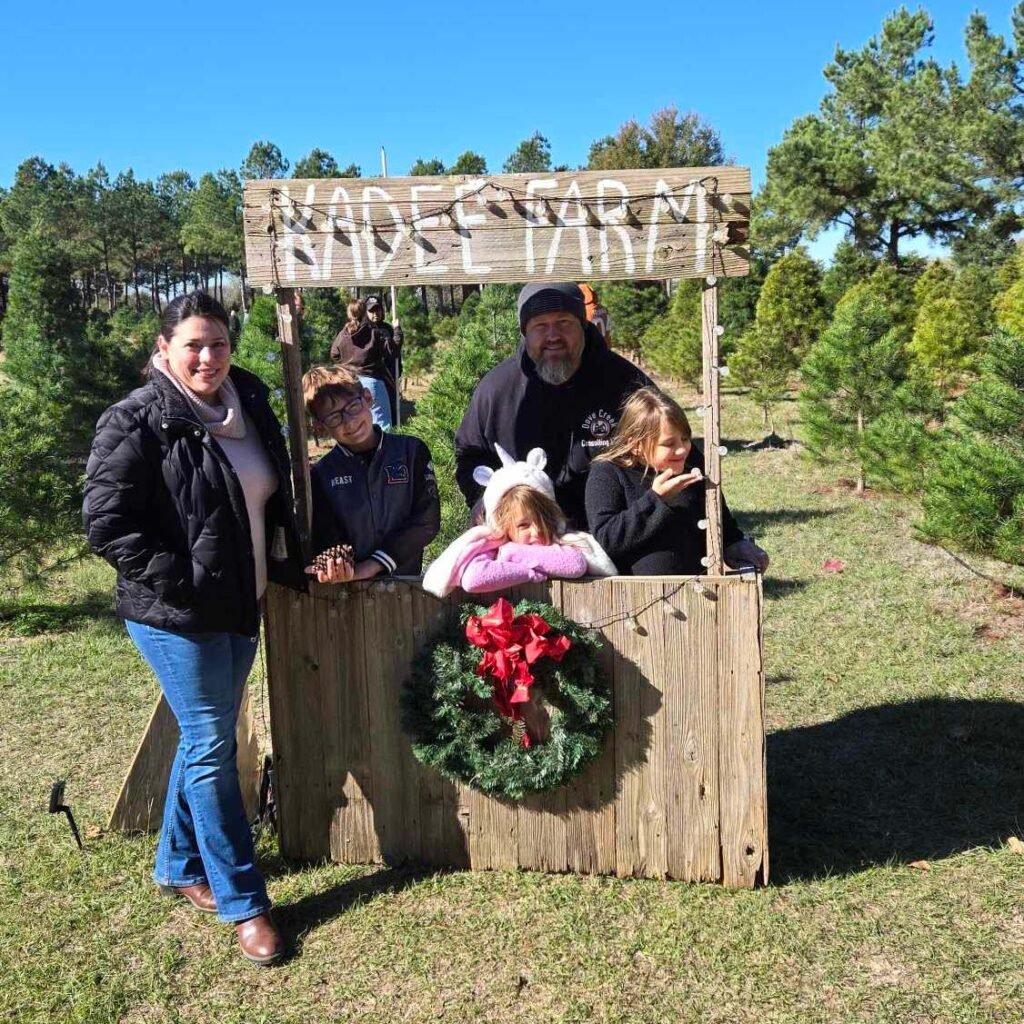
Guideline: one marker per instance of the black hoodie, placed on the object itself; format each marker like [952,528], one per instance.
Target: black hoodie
[572,422]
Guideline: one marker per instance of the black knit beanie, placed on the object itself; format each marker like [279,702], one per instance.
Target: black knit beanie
[544,297]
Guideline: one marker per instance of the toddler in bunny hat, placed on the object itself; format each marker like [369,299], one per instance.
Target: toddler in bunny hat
[523,540]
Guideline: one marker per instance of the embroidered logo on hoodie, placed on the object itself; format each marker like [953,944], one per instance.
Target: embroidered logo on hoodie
[397,473]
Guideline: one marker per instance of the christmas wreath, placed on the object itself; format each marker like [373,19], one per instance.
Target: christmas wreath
[511,701]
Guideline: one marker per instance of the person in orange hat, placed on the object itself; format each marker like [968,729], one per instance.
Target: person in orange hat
[597,314]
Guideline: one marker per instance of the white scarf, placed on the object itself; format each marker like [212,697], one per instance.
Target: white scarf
[222,420]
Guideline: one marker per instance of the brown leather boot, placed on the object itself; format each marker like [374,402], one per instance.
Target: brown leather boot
[259,939]
[199,895]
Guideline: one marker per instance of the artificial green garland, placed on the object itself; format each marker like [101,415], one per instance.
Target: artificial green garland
[455,728]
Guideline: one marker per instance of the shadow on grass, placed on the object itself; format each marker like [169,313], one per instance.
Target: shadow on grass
[33,619]
[758,521]
[296,919]
[775,588]
[900,782]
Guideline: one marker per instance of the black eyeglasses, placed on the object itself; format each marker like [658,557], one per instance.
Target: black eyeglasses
[349,411]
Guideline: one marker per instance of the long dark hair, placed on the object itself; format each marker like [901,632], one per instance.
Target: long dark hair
[193,304]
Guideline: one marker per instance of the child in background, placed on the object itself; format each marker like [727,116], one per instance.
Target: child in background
[645,495]
[524,539]
[374,490]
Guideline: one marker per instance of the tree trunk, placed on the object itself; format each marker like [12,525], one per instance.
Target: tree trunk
[861,482]
[892,247]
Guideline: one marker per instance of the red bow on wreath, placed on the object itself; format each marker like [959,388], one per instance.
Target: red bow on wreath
[511,644]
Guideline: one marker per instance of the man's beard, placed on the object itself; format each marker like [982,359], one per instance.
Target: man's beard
[555,370]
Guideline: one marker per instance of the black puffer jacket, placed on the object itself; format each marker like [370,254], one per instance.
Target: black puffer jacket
[164,507]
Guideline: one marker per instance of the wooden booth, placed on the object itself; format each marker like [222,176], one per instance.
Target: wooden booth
[679,790]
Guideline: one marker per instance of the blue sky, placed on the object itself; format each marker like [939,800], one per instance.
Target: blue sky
[158,87]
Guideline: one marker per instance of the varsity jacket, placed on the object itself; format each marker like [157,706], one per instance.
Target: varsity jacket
[572,422]
[387,508]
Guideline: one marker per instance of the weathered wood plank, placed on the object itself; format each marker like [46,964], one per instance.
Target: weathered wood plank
[590,824]
[289,328]
[542,818]
[741,735]
[644,649]
[346,727]
[712,428]
[387,624]
[691,716]
[654,806]
[672,222]
[444,830]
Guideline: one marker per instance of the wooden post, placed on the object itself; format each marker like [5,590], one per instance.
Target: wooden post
[712,425]
[289,326]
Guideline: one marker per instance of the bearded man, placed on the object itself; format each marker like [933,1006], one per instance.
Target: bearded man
[561,391]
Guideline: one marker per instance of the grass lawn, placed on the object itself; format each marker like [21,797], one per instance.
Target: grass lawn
[896,776]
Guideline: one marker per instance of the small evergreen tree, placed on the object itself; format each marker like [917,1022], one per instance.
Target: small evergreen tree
[954,316]
[633,307]
[1010,304]
[672,344]
[791,307]
[259,351]
[764,362]
[974,498]
[852,376]
[488,331]
[850,265]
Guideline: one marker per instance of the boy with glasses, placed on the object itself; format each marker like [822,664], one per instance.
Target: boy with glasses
[374,490]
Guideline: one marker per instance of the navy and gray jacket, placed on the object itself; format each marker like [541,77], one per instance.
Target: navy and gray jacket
[572,422]
[387,508]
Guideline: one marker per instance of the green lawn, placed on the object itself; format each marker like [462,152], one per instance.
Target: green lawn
[896,775]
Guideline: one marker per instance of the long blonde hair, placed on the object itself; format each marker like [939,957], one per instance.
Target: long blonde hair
[536,506]
[643,413]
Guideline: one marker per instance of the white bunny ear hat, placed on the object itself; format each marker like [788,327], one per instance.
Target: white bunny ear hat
[497,482]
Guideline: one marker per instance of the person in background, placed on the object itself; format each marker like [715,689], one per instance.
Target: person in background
[371,346]
[645,496]
[597,314]
[187,496]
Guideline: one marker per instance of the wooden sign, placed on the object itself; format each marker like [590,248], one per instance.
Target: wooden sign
[560,226]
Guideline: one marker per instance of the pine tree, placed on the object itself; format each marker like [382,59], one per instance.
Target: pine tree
[764,362]
[672,344]
[852,376]
[954,317]
[259,351]
[1010,304]
[791,306]
[633,308]
[974,498]
[488,331]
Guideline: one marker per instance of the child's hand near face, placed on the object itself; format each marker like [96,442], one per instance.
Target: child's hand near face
[668,483]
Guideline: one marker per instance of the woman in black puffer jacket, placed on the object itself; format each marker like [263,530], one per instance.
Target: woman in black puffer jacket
[187,495]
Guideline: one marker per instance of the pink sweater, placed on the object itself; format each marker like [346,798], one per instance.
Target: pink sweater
[510,564]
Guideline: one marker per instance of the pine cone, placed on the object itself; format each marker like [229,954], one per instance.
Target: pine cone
[323,561]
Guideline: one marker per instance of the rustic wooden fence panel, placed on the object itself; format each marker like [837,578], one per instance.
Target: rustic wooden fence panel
[679,791]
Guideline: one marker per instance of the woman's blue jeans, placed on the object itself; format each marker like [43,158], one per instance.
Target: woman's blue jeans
[205,835]
[380,401]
